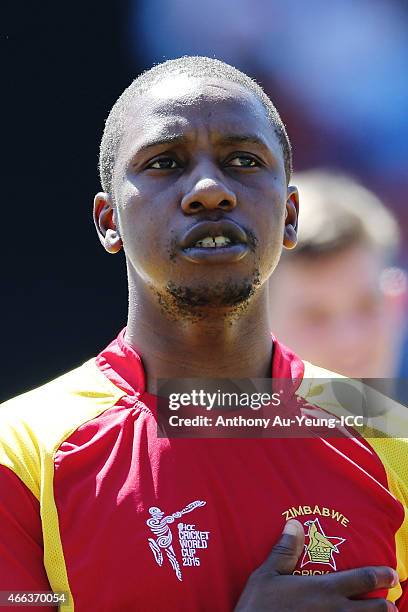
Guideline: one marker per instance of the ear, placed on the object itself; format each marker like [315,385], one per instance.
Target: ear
[291,218]
[105,222]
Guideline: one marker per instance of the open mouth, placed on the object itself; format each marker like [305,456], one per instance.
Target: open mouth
[214,234]
[212,242]
[215,242]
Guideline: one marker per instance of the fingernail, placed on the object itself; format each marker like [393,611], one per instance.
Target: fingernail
[292,527]
[395,578]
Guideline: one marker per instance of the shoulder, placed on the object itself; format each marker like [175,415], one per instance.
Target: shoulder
[385,427]
[34,424]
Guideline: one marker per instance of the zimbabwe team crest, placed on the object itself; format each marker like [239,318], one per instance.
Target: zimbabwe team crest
[320,548]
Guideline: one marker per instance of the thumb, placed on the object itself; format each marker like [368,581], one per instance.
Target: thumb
[286,552]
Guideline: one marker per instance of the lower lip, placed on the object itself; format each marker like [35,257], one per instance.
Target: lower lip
[216,255]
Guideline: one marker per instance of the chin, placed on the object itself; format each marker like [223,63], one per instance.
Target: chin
[225,293]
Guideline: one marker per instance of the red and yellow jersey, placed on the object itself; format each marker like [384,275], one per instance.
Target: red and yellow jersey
[95,504]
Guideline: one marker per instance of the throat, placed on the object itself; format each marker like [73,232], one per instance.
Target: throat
[207,354]
[214,346]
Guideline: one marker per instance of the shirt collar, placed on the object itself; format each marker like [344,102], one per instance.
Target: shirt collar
[123,366]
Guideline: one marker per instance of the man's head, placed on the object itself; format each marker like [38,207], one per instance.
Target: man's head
[193,151]
[331,300]
[195,68]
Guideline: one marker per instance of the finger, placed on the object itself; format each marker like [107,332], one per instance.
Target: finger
[363,580]
[286,552]
[374,605]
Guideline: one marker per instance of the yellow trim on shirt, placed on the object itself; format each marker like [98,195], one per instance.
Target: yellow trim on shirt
[33,426]
[317,389]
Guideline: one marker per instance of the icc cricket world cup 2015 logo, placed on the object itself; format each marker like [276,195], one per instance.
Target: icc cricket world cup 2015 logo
[160,526]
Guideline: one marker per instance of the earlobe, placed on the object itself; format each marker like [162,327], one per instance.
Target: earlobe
[291,219]
[113,242]
[105,223]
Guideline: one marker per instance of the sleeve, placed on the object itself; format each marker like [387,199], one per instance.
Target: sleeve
[393,453]
[21,543]
[402,603]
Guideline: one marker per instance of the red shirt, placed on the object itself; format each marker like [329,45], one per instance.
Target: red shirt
[129,521]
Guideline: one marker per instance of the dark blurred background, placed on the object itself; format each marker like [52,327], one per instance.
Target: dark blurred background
[63,297]
[337,72]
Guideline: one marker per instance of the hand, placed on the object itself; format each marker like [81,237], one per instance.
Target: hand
[272,588]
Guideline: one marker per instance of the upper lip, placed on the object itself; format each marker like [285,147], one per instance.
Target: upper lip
[225,227]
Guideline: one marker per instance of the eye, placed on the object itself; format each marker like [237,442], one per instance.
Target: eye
[164,163]
[243,161]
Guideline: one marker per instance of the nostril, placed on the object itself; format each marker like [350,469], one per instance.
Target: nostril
[224,204]
[195,205]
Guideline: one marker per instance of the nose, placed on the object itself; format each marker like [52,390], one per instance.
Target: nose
[208,194]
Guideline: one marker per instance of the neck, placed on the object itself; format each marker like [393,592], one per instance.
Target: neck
[217,344]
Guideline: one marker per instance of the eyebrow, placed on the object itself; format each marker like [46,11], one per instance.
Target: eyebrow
[179,139]
[232,139]
[172,139]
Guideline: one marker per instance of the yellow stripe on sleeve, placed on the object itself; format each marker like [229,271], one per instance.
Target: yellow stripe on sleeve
[33,426]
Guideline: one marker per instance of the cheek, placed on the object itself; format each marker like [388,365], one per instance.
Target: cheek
[141,230]
[271,237]
[148,233]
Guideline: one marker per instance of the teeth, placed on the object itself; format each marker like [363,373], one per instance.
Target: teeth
[210,242]
[221,240]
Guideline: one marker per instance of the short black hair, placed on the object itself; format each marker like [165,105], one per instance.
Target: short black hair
[194,66]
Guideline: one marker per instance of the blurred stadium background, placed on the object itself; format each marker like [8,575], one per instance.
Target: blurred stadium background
[337,72]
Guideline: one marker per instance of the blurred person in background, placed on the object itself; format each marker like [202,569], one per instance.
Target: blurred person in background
[334,298]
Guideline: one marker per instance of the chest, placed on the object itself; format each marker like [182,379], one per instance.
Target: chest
[162,525]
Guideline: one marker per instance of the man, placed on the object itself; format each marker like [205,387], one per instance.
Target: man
[334,299]
[195,164]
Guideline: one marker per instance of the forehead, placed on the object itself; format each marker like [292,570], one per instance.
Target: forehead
[182,105]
